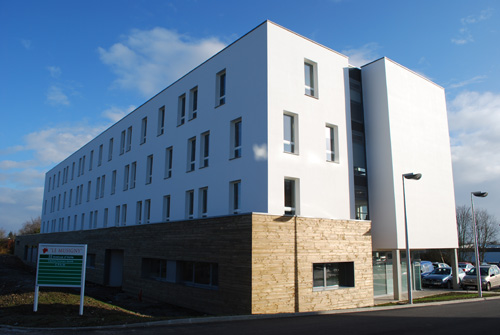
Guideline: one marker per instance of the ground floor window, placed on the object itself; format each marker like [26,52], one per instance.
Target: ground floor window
[198,273]
[333,275]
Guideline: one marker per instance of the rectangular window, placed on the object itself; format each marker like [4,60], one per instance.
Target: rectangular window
[117,216]
[82,222]
[97,187]
[70,197]
[193,103]
[333,275]
[105,220]
[330,137]
[166,208]
[144,130]
[88,190]
[310,75]
[126,171]
[203,202]
[289,133]
[96,215]
[81,194]
[103,184]
[149,169]
[73,171]
[64,201]
[138,212]
[235,140]
[190,204]
[191,157]
[204,149]
[235,196]
[122,143]
[133,173]
[113,182]
[181,110]
[147,211]
[83,165]
[75,219]
[221,88]
[168,162]
[158,269]
[124,214]
[161,120]
[99,156]
[129,138]
[199,274]
[290,197]
[91,161]
[110,149]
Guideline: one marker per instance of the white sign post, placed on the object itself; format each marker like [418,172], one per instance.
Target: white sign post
[61,265]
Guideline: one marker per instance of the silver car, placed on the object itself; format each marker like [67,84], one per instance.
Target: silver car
[490,277]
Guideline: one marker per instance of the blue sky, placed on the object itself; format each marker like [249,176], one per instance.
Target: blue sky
[69,69]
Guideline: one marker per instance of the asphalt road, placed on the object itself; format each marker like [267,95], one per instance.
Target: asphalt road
[467,317]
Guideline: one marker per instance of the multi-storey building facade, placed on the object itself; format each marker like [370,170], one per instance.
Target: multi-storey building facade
[274,124]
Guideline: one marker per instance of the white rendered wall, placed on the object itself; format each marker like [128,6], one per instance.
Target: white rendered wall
[324,187]
[246,90]
[407,131]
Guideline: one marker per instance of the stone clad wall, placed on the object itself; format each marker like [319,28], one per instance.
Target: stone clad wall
[280,242]
[256,256]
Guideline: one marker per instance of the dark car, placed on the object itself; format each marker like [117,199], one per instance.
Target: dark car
[441,277]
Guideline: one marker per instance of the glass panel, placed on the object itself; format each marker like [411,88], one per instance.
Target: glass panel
[318,275]
[202,273]
[332,273]
[187,272]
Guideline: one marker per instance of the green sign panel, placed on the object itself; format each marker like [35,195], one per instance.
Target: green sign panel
[60,270]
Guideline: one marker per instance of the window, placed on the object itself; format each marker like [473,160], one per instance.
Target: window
[110,149]
[90,261]
[161,120]
[97,187]
[289,133]
[91,162]
[73,171]
[70,197]
[330,136]
[133,173]
[149,169]
[181,110]
[168,162]
[138,212]
[147,211]
[113,182]
[126,177]
[64,201]
[290,197]
[191,158]
[200,274]
[81,194]
[235,196]
[124,214]
[105,220]
[144,130]
[99,156]
[310,75]
[190,204]
[203,201]
[82,222]
[96,214]
[193,103]
[83,165]
[88,190]
[204,150]
[129,138]
[122,143]
[333,275]
[221,88]
[117,216]
[159,269]
[166,208]
[103,184]
[235,140]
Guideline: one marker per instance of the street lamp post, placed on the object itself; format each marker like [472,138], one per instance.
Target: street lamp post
[476,249]
[415,176]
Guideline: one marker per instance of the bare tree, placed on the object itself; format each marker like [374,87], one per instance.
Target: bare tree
[31,227]
[465,233]
[487,229]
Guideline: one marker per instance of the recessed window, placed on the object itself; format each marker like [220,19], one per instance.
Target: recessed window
[333,275]
[169,152]
[191,157]
[144,130]
[88,190]
[204,149]
[235,197]
[193,103]
[221,88]
[331,143]
[310,75]
[156,269]
[181,110]
[91,163]
[117,216]
[236,138]
[105,219]
[203,201]
[113,182]
[147,211]
[138,212]
[290,201]
[97,187]
[99,156]
[133,174]
[124,214]
[126,172]
[290,133]
[129,138]
[103,184]
[166,208]
[149,169]
[199,274]
[122,142]
[161,120]
[190,204]
[110,149]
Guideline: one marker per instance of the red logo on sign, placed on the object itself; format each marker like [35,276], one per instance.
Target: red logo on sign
[45,250]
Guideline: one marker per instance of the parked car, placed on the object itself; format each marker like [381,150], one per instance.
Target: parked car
[442,277]
[490,277]
[466,266]
[440,265]
[426,267]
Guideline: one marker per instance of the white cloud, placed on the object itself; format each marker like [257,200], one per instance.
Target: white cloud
[18,206]
[56,96]
[54,71]
[150,60]
[474,121]
[115,114]
[464,34]
[474,80]
[362,55]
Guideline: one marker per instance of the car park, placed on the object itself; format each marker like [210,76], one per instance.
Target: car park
[490,277]
[441,277]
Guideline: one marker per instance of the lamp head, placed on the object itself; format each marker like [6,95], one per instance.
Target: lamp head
[479,194]
[415,176]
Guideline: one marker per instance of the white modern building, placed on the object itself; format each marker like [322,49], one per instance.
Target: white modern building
[275,124]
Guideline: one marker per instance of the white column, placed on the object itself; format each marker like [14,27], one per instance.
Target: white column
[396,274]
